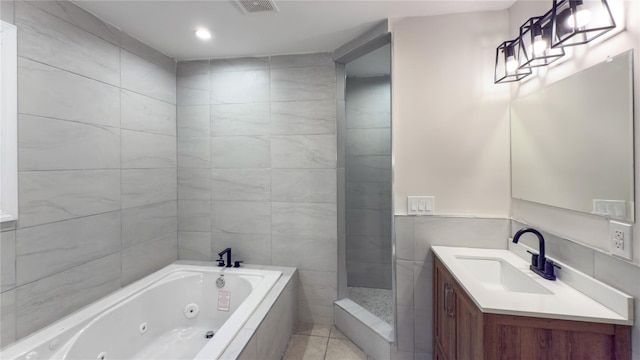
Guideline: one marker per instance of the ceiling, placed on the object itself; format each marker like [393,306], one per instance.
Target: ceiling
[300,26]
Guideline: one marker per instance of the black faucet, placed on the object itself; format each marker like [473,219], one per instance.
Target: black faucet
[221,262]
[539,263]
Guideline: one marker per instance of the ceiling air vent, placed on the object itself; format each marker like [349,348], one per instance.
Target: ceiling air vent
[254,6]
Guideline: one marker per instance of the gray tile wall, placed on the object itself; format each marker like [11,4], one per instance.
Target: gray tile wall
[414,270]
[367,138]
[257,167]
[97,165]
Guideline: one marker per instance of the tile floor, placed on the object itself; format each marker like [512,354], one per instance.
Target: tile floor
[321,342]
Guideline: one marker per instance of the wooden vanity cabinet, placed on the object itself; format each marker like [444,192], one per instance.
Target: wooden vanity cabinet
[463,332]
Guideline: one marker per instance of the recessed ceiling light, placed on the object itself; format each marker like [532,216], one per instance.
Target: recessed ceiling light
[203,34]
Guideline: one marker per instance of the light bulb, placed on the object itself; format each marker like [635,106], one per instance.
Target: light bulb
[512,64]
[581,18]
[539,45]
[203,34]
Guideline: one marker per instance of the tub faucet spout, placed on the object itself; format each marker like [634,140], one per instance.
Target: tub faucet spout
[221,261]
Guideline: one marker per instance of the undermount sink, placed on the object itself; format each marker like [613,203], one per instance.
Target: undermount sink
[497,274]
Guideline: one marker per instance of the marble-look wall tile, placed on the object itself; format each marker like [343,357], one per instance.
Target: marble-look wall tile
[194,152]
[404,237]
[146,52]
[368,169]
[303,83]
[241,184]
[241,217]
[423,285]
[149,222]
[143,259]
[194,215]
[618,273]
[148,186]
[194,184]
[423,331]
[303,118]
[279,320]
[47,196]
[48,249]
[141,150]
[368,222]
[7,8]
[146,78]
[317,253]
[147,114]
[7,260]
[341,81]
[194,246]
[7,317]
[404,283]
[50,92]
[313,185]
[369,195]
[405,328]
[240,119]
[250,248]
[317,287]
[47,39]
[451,231]
[315,314]
[369,249]
[301,60]
[240,152]
[193,82]
[303,151]
[239,64]
[193,121]
[368,102]
[368,142]
[340,133]
[304,220]
[50,144]
[72,13]
[371,275]
[239,87]
[41,302]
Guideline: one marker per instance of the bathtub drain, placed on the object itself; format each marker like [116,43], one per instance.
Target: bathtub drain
[208,335]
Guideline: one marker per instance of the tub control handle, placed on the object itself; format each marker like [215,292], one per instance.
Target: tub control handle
[237,263]
[220,263]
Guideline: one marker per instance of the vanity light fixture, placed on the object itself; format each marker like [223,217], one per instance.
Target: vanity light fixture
[535,40]
[203,34]
[507,66]
[542,38]
[577,22]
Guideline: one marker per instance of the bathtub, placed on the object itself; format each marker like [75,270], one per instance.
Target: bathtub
[165,315]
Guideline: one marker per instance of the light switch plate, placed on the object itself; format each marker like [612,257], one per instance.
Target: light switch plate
[420,205]
[621,239]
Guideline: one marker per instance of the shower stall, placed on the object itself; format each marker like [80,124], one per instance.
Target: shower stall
[366,184]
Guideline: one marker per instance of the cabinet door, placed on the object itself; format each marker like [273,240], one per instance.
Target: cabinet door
[444,301]
[468,328]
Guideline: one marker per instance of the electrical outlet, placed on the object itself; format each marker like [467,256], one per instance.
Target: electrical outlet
[621,239]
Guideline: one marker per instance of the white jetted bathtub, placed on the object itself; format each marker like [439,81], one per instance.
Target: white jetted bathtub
[170,314]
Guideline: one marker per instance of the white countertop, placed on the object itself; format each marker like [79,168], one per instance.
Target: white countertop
[564,302]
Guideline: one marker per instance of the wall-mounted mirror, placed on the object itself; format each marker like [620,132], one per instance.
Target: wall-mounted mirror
[572,142]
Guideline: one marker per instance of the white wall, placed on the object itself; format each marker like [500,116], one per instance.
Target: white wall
[583,228]
[450,122]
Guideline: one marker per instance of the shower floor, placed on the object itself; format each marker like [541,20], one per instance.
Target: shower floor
[379,302]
